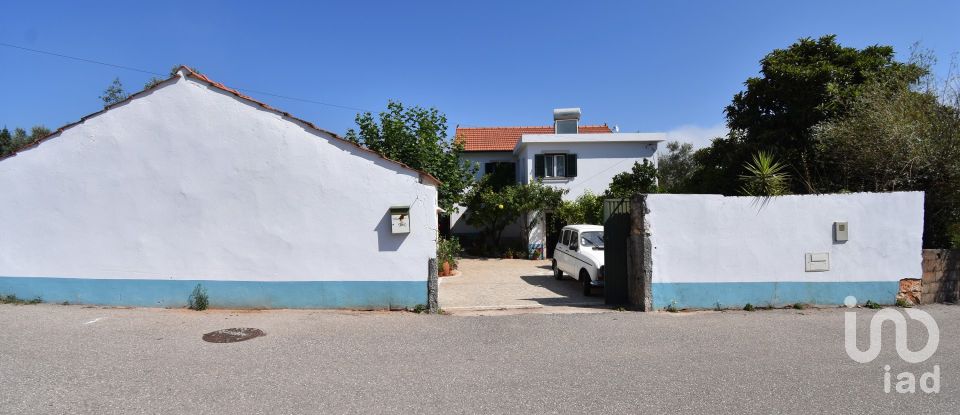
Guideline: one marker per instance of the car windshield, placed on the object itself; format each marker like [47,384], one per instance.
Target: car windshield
[591,239]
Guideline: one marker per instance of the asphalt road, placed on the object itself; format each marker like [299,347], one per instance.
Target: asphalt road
[71,359]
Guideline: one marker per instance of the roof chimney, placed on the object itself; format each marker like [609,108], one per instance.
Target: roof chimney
[566,120]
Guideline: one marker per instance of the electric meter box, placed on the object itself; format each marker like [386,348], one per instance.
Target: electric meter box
[841,231]
[400,219]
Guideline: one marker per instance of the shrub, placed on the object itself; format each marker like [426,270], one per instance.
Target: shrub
[872,305]
[448,250]
[198,299]
[673,307]
[799,306]
[748,307]
[902,303]
[13,299]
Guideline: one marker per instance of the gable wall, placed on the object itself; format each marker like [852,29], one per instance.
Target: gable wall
[189,183]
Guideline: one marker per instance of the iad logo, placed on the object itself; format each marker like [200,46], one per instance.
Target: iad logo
[906,381]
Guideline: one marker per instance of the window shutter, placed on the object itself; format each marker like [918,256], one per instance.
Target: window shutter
[571,165]
[538,166]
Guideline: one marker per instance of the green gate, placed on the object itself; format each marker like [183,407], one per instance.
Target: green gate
[616,233]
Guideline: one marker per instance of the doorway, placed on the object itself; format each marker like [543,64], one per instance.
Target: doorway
[554,225]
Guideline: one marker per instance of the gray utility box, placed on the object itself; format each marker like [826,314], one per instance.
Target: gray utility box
[841,231]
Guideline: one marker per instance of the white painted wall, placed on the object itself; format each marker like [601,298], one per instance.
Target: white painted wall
[597,162]
[712,238]
[189,182]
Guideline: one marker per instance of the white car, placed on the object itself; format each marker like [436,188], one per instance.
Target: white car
[579,253]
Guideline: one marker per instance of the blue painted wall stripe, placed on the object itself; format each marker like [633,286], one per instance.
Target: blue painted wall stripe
[225,294]
[738,294]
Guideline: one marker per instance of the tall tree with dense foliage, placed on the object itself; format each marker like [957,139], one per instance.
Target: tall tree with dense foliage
[809,82]
[6,142]
[417,137]
[11,143]
[900,135]
[676,167]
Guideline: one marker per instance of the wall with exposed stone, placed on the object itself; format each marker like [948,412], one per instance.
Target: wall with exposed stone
[941,276]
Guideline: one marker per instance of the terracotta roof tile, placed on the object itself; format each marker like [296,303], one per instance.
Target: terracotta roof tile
[506,138]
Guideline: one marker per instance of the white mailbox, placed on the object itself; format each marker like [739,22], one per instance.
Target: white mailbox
[400,219]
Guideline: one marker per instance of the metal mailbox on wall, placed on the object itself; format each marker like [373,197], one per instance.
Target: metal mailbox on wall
[400,219]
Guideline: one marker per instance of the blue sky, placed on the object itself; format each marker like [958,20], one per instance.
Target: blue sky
[645,66]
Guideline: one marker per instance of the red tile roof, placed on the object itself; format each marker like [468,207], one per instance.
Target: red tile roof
[192,74]
[506,138]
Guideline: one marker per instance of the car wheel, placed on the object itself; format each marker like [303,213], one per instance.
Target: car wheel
[556,271]
[585,281]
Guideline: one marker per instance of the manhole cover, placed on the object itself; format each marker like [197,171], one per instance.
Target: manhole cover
[232,335]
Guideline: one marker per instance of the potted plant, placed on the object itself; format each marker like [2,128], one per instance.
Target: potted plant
[447,252]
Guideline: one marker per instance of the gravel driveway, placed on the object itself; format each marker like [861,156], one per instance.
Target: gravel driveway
[485,284]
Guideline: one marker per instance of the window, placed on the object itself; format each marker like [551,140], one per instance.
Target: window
[565,126]
[555,165]
[573,239]
[503,173]
[591,239]
[566,237]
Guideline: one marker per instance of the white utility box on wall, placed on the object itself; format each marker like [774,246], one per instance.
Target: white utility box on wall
[841,231]
[817,262]
[400,219]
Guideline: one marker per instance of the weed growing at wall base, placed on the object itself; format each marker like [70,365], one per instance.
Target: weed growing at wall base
[13,299]
[198,299]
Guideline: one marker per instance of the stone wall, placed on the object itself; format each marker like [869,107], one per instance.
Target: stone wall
[941,273]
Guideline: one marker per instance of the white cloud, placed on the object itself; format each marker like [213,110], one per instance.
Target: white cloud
[698,136]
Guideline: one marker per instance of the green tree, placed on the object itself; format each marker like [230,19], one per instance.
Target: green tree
[676,167]
[37,132]
[642,178]
[492,210]
[114,93]
[20,138]
[489,210]
[529,202]
[900,135]
[417,137]
[6,142]
[811,81]
[586,209]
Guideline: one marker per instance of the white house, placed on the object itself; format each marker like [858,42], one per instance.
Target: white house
[190,182]
[566,155]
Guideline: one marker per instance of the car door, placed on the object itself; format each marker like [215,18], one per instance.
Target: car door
[569,255]
[559,251]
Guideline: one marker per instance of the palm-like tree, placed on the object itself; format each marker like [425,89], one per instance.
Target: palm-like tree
[766,176]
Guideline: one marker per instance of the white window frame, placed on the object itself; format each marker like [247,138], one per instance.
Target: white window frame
[550,170]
